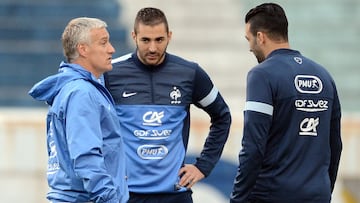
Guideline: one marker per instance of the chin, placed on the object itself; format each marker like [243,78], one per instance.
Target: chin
[108,68]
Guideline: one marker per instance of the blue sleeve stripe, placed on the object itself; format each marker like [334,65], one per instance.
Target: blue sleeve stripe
[210,98]
[259,107]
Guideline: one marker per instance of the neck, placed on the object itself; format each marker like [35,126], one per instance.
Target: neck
[85,64]
[275,46]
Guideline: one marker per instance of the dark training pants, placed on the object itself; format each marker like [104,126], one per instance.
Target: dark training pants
[181,197]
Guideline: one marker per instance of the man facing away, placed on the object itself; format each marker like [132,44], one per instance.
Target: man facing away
[86,160]
[153,91]
[291,141]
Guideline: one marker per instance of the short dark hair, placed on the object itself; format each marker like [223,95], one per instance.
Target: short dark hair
[150,16]
[269,18]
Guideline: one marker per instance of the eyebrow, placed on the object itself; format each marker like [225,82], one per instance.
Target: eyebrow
[104,38]
[157,38]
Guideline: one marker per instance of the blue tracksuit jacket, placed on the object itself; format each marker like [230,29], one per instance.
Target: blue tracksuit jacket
[86,160]
[291,140]
[153,106]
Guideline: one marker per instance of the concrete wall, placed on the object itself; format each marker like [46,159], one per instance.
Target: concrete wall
[23,157]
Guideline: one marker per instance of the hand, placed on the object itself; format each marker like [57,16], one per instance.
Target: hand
[189,174]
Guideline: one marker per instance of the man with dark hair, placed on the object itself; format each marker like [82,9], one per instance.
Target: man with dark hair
[291,141]
[153,91]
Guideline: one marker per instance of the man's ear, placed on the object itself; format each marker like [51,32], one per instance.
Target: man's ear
[133,35]
[260,37]
[170,35]
[82,49]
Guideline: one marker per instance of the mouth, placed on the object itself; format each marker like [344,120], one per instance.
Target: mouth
[152,57]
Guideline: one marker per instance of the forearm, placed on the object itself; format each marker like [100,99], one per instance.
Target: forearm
[215,141]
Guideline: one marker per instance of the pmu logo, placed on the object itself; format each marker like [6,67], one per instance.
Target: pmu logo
[308,126]
[153,118]
[152,151]
[308,84]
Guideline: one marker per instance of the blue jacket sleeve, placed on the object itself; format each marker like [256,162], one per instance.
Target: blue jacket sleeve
[335,140]
[207,97]
[85,145]
[255,135]
[256,126]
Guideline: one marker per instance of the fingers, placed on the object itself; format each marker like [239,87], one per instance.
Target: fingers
[190,175]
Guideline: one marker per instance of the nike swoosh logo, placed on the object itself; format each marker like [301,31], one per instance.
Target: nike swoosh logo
[125,94]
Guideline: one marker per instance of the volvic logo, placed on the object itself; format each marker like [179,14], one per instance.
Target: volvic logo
[53,161]
[308,84]
[153,118]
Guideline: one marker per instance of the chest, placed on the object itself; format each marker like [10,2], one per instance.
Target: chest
[163,87]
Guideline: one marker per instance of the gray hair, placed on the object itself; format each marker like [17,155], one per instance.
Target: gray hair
[78,31]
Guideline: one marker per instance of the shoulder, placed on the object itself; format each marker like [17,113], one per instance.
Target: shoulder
[182,61]
[183,65]
[80,87]
[121,58]
[120,63]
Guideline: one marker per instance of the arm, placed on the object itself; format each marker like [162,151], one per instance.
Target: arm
[213,147]
[335,140]
[257,122]
[85,145]
[210,100]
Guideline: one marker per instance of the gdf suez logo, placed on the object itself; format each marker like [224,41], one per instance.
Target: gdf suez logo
[308,126]
[153,118]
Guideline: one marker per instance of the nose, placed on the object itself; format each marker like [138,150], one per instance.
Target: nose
[111,49]
[152,47]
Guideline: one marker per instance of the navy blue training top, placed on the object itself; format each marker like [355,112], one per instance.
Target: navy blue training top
[291,139]
[153,105]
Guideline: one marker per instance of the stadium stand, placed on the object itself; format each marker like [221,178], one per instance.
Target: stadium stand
[30,38]
[209,32]
[327,31]
[212,34]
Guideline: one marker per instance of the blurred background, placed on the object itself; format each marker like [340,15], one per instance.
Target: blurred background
[209,32]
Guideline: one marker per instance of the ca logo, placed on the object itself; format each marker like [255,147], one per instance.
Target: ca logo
[308,126]
[153,118]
